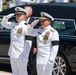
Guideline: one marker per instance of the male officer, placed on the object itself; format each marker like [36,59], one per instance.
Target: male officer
[31,68]
[47,45]
[19,47]
[29,17]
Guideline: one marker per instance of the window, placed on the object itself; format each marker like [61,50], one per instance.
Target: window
[59,25]
[64,26]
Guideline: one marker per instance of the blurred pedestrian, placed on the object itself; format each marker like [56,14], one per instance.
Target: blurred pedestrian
[12,3]
[23,2]
[1,4]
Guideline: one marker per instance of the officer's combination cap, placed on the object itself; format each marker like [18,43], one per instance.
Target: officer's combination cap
[45,16]
[20,10]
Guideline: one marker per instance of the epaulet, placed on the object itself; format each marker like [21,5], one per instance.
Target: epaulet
[25,24]
[40,27]
[52,29]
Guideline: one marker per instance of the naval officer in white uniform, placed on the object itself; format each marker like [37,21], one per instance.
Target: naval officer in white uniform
[19,47]
[47,45]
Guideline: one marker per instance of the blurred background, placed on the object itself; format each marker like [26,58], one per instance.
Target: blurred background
[7,3]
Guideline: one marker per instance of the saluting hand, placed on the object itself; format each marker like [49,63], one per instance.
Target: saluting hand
[34,22]
[9,15]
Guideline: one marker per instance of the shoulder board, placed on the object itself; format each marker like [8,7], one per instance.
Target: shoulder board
[25,24]
[52,29]
[40,27]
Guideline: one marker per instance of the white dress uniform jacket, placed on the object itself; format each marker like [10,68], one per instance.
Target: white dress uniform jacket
[19,47]
[46,52]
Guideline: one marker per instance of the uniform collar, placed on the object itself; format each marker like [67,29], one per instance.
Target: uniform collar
[48,27]
[21,22]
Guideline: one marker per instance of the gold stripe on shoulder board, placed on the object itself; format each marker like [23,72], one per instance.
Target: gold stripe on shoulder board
[52,29]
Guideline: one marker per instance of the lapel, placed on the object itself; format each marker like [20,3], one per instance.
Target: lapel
[31,20]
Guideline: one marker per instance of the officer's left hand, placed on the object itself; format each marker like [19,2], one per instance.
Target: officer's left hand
[34,50]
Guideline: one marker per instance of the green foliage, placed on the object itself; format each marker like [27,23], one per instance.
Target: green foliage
[75,1]
[4,1]
[4,6]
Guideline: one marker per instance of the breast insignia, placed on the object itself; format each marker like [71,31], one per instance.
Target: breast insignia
[46,36]
[19,31]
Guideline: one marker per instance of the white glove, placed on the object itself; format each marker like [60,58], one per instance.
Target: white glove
[9,16]
[5,19]
[34,22]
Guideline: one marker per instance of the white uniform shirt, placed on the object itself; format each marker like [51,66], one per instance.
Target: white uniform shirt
[19,47]
[61,0]
[45,49]
[42,1]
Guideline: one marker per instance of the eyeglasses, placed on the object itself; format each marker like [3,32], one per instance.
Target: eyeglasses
[19,13]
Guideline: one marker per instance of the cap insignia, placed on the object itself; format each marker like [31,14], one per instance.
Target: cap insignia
[52,29]
[17,9]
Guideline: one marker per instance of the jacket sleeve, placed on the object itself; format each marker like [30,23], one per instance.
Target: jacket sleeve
[30,28]
[54,47]
[31,31]
[5,22]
